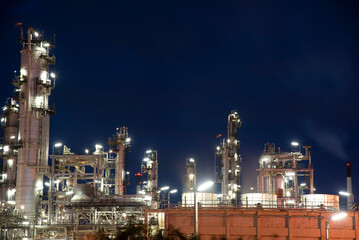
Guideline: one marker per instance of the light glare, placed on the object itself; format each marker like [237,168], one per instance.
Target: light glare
[339,216]
[205,186]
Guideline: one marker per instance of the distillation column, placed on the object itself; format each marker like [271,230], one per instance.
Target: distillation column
[227,152]
[150,166]
[35,88]
[120,144]
[190,177]
[10,125]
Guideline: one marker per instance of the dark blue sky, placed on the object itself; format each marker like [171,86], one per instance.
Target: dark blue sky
[172,71]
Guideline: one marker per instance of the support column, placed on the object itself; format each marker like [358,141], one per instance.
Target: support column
[259,226]
[290,226]
[323,233]
[356,224]
[228,224]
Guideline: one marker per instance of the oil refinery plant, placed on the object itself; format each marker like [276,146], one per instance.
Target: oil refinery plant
[68,195]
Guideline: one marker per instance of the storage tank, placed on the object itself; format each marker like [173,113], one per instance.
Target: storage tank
[204,199]
[266,200]
[326,201]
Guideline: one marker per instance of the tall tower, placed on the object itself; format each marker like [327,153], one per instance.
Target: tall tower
[350,198]
[229,160]
[150,166]
[120,144]
[10,125]
[35,87]
[190,177]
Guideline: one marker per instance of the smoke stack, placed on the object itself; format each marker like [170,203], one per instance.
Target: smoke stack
[350,201]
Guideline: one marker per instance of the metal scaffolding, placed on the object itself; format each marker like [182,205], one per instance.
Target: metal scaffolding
[287,174]
[228,169]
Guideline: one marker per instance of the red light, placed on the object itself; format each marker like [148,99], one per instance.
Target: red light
[138,174]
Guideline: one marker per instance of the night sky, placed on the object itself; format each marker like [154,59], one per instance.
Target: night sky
[172,71]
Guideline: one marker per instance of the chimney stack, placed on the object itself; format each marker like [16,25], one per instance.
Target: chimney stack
[350,198]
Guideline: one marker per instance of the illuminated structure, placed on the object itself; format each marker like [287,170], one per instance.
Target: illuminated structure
[287,174]
[78,194]
[228,168]
[190,177]
[120,143]
[150,166]
[26,124]
[8,150]
[350,197]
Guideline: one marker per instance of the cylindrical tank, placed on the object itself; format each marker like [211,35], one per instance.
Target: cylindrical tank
[326,201]
[266,200]
[203,198]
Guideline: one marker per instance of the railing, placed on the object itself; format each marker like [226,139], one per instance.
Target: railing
[267,204]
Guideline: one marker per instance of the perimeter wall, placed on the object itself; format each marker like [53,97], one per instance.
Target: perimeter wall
[258,224]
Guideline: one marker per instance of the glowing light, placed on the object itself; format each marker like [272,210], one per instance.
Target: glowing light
[58,145]
[128,140]
[86,151]
[191,160]
[142,192]
[146,159]
[47,184]
[43,76]
[12,137]
[339,216]
[295,144]
[23,72]
[303,184]
[46,44]
[11,202]
[53,75]
[205,186]
[39,184]
[290,173]
[11,192]
[218,148]
[22,207]
[173,191]
[36,34]
[6,148]
[10,162]
[149,151]
[164,188]
[69,192]
[38,101]
[98,146]
[344,193]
